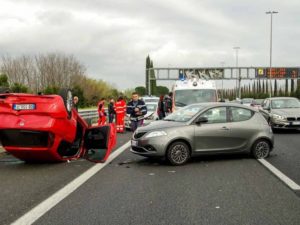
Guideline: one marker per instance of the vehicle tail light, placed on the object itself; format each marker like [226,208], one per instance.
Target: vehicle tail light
[51,139]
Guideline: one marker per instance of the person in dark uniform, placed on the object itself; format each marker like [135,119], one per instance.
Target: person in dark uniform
[161,108]
[111,110]
[136,108]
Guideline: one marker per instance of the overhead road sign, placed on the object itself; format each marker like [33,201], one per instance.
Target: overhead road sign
[207,74]
[278,73]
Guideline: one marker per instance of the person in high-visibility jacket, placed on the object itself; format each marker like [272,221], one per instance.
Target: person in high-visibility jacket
[120,109]
[101,112]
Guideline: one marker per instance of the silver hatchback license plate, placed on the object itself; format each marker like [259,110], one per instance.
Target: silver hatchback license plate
[23,106]
[296,123]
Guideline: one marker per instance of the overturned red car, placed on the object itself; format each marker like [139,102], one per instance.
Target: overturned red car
[47,128]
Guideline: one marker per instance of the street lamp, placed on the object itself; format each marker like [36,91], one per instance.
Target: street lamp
[271,13]
[222,93]
[238,80]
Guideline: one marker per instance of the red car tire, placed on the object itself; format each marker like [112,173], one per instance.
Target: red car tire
[67,97]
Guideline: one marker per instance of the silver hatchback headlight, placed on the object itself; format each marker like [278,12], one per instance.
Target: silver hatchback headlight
[156,134]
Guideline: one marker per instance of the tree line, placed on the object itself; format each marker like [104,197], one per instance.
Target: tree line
[261,89]
[48,73]
[150,85]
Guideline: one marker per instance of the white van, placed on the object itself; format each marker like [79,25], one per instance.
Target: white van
[150,98]
[193,90]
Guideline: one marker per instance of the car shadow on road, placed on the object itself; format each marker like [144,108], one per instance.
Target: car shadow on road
[194,160]
[9,161]
[286,131]
[220,157]
[143,161]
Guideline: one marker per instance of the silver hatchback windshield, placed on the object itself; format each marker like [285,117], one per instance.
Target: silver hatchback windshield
[184,114]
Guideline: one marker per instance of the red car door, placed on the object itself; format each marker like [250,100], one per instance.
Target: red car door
[99,142]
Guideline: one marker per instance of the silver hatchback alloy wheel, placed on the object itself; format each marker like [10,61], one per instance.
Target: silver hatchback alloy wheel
[178,153]
[261,149]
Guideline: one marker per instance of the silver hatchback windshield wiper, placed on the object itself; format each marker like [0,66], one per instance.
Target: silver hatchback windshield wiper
[168,119]
[180,104]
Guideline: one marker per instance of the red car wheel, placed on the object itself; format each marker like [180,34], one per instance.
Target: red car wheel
[67,97]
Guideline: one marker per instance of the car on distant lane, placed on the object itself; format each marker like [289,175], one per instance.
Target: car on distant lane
[256,103]
[205,128]
[149,117]
[246,101]
[151,112]
[282,112]
[150,98]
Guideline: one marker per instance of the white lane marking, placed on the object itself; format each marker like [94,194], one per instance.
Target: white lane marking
[38,211]
[280,175]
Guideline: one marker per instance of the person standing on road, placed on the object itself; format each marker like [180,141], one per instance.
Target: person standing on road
[161,108]
[136,108]
[101,112]
[168,103]
[120,108]
[111,110]
[75,103]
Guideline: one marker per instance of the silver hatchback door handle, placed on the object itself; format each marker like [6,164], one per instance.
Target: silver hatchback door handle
[224,128]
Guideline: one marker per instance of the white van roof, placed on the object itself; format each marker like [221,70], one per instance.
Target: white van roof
[194,84]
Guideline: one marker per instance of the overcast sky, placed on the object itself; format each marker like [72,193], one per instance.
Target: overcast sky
[113,37]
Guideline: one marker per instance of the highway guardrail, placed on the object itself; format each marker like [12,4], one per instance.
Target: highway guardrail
[90,116]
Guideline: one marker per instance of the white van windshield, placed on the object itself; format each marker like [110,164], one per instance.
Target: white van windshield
[187,97]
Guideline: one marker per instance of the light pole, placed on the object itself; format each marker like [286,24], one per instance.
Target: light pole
[222,93]
[238,80]
[270,72]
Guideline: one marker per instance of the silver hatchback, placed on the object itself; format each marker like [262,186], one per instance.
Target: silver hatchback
[206,128]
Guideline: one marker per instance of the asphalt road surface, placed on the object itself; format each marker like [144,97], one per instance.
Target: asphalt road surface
[24,185]
[131,189]
[286,156]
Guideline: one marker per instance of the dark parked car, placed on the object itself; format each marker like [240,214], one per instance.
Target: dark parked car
[205,128]
[247,101]
[256,103]
[282,112]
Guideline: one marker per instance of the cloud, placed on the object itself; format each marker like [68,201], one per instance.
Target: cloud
[113,38]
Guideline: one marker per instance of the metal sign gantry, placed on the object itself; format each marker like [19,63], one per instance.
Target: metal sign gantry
[222,73]
[227,73]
